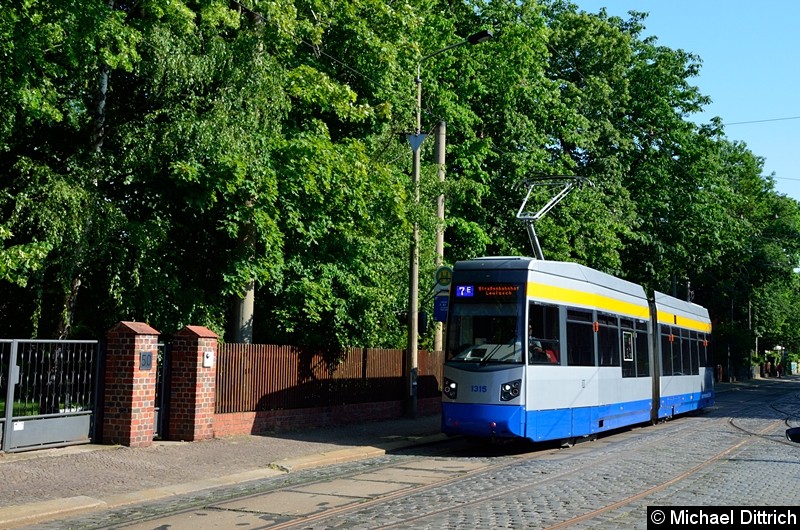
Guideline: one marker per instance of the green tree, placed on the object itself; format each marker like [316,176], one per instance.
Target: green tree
[161,159]
[52,58]
[342,182]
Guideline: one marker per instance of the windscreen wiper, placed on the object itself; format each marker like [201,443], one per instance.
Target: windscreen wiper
[486,358]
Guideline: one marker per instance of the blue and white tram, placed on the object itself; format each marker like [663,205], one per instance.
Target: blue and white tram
[551,350]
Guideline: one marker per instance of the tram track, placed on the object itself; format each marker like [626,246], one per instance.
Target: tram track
[544,469]
[631,498]
[457,448]
[645,493]
[791,413]
[634,436]
[761,434]
[409,521]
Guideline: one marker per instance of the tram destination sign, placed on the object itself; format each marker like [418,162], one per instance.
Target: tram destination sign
[487,291]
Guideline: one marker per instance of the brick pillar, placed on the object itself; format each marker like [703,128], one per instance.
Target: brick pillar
[193,379]
[130,384]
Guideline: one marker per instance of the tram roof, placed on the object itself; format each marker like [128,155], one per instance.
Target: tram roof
[678,305]
[563,269]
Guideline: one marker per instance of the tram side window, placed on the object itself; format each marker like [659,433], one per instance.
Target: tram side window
[580,338]
[666,350]
[608,340]
[628,359]
[686,352]
[628,348]
[642,350]
[694,352]
[702,345]
[543,338]
[677,353]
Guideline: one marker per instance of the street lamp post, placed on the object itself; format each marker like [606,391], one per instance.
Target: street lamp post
[415,140]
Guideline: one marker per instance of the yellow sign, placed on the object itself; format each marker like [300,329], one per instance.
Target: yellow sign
[444,275]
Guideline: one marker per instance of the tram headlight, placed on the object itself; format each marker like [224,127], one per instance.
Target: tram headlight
[510,390]
[450,388]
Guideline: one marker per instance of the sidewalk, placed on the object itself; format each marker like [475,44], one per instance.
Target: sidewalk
[50,484]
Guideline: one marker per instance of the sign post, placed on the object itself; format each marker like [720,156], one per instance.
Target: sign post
[441,299]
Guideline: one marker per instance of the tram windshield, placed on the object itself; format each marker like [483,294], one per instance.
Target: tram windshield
[485,331]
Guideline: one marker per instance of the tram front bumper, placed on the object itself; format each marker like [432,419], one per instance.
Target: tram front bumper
[485,421]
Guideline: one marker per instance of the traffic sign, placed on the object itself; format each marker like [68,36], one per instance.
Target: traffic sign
[444,275]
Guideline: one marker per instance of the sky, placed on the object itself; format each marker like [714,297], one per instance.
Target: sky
[750,52]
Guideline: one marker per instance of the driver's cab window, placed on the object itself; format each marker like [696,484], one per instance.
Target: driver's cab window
[543,334]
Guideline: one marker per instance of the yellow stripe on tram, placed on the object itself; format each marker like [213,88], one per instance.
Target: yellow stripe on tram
[672,319]
[566,296]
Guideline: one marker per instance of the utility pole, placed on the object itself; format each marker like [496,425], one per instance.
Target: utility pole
[413,267]
[243,316]
[439,148]
[243,306]
[415,140]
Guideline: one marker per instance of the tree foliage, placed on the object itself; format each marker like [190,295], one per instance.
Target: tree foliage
[157,158]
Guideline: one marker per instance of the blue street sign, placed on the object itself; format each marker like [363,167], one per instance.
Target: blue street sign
[440,304]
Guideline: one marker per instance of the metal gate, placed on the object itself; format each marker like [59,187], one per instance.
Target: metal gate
[163,377]
[48,392]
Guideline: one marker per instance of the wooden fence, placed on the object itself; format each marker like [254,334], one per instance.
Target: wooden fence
[262,377]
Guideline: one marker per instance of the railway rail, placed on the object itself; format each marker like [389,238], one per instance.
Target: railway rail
[735,453]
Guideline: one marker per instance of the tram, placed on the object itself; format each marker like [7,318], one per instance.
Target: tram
[549,350]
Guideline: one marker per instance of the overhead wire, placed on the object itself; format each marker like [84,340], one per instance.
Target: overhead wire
[315,48]
[767,121]
[762,121]
[641,130]
[318,52]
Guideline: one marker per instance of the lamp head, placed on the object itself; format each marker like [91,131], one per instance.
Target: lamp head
[481,36]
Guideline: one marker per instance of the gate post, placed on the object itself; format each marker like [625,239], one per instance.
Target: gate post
[130,384]
[193,384]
